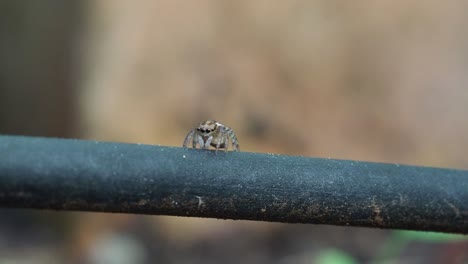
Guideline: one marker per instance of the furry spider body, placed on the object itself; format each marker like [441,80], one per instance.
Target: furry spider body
[212,133]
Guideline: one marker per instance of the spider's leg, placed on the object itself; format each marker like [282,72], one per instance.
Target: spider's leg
[232,136]
[187,138]
[194,140]
[226,143]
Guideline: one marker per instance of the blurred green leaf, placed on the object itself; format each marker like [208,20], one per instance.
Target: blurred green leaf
[430,236]
[334,256]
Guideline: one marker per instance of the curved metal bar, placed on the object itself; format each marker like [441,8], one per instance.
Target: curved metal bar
[67,174]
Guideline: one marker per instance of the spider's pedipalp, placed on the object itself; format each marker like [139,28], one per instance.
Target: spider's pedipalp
[208,142]
[199,140]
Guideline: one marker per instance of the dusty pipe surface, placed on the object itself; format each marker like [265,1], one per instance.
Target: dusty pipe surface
[68,174]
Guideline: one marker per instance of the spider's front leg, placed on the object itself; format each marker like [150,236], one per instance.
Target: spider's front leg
[187,138]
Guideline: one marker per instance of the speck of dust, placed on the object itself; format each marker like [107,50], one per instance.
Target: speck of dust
[183,156]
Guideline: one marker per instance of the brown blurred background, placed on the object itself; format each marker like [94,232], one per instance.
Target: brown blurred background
[366,80]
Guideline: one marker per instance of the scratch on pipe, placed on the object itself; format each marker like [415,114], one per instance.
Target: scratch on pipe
[455,209]
[200,201]
[376,209]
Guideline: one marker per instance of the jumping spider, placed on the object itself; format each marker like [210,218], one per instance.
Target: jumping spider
[212,133]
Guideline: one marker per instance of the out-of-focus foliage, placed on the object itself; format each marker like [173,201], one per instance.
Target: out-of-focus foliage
[332,256]
[429,236]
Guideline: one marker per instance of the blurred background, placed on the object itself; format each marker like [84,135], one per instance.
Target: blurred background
[366,80]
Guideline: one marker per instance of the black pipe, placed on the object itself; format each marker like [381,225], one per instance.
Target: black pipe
[65,174]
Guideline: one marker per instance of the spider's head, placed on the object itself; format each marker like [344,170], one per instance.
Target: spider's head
[208,127]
